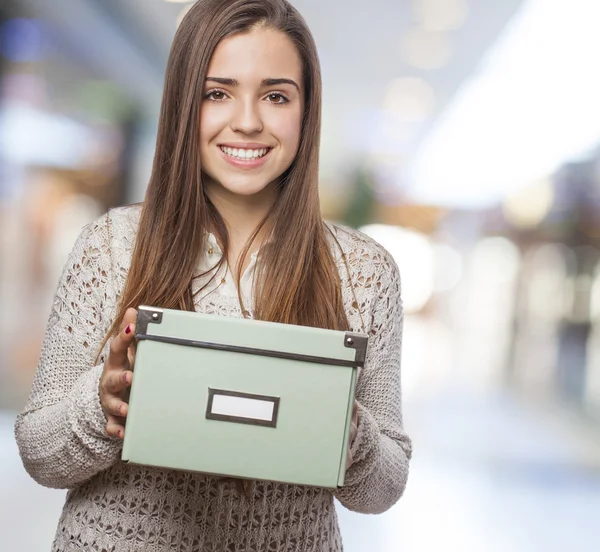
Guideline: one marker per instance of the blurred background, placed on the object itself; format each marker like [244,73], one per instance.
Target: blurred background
[464,135]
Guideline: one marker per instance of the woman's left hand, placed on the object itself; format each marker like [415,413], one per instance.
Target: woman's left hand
[353,432]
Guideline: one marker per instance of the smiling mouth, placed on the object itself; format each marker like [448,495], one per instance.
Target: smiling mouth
[241,154]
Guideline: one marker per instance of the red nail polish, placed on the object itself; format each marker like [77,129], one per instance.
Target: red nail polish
[128,329]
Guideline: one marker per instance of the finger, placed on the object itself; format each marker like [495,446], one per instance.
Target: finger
[119,346]
[116,420]
[131,354]
[116,407]
[116,381]
[349,459]
[115,428]
[119,420]
[130,317]
[127,378]
[355,413]
[353,433]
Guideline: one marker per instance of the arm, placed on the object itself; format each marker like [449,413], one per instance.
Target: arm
[381,450]
[61,433]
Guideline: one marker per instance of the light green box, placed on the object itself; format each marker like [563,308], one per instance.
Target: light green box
[242,398]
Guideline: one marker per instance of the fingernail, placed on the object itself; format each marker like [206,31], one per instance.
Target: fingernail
[124,377]
[123,409]
[128,329]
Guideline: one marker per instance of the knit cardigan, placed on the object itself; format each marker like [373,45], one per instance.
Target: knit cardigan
[115,506]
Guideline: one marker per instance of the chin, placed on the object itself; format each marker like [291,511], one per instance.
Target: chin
[245,190]
[245,187]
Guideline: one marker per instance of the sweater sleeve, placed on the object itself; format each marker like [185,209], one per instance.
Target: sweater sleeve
[381,450]
[61,432]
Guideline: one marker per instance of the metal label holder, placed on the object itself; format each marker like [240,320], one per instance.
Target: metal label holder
[215,393]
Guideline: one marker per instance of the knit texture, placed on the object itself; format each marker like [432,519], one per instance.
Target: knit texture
[114,506]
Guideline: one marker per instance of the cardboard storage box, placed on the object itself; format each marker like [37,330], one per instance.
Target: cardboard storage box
[242,398]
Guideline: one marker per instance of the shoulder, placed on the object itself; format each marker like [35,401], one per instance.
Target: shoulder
[125,217]
[112,234]
[120,219]
[362,252]
[122,226]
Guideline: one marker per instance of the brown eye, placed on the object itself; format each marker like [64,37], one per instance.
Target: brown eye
[277,98]
[216,95]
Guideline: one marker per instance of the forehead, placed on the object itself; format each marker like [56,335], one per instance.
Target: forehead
[256,55]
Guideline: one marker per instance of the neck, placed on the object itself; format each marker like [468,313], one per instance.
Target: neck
[242,214]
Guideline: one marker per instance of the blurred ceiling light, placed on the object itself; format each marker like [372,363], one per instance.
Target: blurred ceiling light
[426,49]
[493,137]
[413,254]
[183,13]
[34,137]
[528,207]
[441,15]
[409,99]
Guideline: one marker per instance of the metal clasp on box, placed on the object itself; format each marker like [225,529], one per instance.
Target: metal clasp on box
[358,342]
[147,315]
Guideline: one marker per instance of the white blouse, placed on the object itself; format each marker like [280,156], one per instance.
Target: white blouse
[223,284]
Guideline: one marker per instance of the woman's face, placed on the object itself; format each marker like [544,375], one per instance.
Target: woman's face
[251,113]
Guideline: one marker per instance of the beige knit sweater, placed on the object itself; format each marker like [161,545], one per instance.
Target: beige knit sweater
[113,506]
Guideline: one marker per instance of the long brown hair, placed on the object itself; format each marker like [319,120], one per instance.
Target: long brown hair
[297,281]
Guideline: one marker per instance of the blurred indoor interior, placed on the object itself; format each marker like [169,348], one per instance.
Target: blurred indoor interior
[464,135]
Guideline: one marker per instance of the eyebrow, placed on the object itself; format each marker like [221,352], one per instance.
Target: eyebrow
[265,82]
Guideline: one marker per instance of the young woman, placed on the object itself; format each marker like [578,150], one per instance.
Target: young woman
[231,226]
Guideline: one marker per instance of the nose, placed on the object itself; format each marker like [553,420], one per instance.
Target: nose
[246,118]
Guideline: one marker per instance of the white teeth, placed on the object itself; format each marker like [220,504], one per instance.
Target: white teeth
[244,154]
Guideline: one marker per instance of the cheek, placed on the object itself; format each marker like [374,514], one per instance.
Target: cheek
[287,128]
[211,122]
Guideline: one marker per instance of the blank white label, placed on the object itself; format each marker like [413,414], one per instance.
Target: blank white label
[243,407]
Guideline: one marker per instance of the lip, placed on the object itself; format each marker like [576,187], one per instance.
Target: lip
[246,163]
[244,145]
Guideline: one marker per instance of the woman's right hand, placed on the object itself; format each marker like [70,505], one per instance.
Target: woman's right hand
[117,376]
